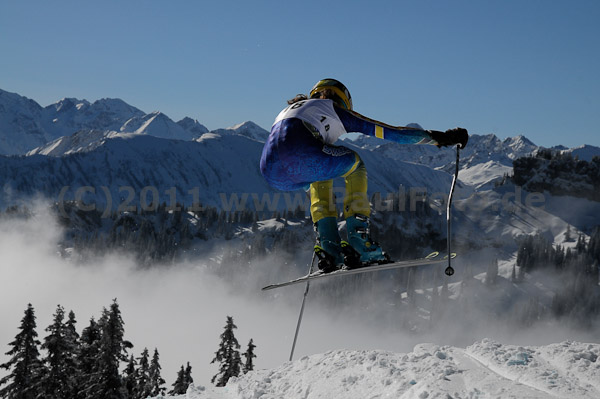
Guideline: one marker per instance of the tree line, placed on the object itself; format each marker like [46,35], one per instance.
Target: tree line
[558,173]
[95,364]
[578,297]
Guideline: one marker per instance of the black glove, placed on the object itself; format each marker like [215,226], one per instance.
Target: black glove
[454,136]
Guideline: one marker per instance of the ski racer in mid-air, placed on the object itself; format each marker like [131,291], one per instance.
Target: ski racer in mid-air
[299,153]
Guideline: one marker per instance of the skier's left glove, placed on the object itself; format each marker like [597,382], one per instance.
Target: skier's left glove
[457,136]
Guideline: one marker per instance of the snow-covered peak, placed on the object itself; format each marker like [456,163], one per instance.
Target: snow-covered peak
[248,129]
[15,102]
[115,105]
[156,124]
[70,115]
[195,128]
[21,128]
[519,146]
[66,104]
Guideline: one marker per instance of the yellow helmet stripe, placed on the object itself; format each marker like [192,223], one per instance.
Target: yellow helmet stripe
[378,131]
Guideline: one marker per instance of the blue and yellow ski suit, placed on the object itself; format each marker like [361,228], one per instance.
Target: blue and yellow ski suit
[300,152]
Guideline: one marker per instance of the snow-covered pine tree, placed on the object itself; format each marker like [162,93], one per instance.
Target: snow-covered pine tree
[72,363]
[130,378]
[105,381]
[25,366]
[59,380]
[187,376]
[178,386]
[237,365]
[89,351]
[71,330]
[143,375]
[228,356]
[249,355]
[156,381]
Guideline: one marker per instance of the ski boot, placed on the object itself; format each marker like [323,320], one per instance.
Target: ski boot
[328,248]
[360,250]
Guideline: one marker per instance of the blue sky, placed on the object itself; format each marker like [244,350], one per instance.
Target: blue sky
[505,67]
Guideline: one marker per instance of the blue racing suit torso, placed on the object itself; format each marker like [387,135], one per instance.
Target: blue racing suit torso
[300,149]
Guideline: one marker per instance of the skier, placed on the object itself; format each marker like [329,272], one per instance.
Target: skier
[299,153]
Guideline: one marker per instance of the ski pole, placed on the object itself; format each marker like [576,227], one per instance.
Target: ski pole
[449,270]
[312,262]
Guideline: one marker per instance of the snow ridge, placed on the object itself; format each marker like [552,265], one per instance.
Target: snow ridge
[484,369]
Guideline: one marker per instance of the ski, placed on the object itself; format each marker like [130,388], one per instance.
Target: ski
[431,259]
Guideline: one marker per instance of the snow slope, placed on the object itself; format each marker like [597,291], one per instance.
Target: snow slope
[81,141]
[486,369]
[585,152]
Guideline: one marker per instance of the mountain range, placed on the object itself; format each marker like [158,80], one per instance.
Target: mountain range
[111,153]
[25,125]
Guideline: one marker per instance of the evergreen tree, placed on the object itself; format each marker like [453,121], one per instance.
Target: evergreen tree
[71,331]
[27,369]
[58,381]
[179,387]
[249,355]
[143,375]
[187,376]
[89,352]
[72,366]
[130,378]
[105,381]
[156,381]
[228,356]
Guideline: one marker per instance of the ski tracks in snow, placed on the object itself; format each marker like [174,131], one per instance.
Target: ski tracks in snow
[550,370]
[576,361]
[481,381]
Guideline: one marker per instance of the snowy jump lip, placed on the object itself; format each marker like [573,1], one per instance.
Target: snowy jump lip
[562,370]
